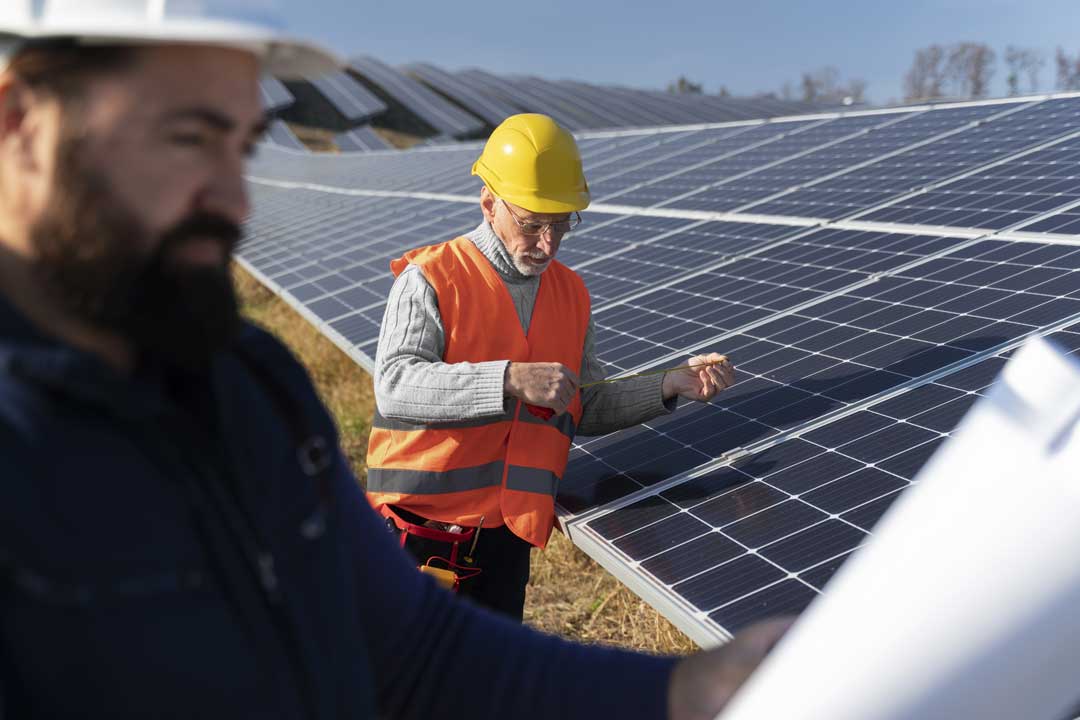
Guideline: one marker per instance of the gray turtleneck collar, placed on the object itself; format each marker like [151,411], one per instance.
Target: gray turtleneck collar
[522,288]
[488,242]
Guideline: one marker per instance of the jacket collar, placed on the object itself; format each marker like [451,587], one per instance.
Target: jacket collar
[28,356]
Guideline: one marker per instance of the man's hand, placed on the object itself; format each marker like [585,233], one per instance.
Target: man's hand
[700,383]
[702,684]
[550,385]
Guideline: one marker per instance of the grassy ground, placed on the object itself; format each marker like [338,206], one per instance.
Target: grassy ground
[568,593]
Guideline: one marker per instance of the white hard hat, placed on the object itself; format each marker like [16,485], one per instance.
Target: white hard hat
[135,22]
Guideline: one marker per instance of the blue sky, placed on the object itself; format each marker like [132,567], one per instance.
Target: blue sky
[747,46]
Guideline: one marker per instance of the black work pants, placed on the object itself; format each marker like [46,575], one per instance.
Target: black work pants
[501,556]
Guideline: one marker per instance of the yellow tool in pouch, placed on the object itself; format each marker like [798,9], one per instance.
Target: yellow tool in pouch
[446,578]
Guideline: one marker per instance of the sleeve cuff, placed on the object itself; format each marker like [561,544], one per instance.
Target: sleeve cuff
[490,385]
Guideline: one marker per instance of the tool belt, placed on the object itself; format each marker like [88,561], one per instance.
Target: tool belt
[449,570]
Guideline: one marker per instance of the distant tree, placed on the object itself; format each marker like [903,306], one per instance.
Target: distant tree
[787,92]
[926,78]
[1023,64]
[959,70]
[1068,71]
[683,86]
[823,86]
[723,91]
[969,69]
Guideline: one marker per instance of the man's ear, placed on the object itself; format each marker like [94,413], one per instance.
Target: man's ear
[20,122]
[487,204]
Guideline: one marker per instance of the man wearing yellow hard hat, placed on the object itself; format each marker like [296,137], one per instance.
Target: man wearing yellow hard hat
[485,345]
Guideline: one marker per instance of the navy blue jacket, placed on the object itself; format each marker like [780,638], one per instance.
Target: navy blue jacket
[163,554]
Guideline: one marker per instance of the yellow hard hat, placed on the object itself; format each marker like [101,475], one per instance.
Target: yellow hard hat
[533,163]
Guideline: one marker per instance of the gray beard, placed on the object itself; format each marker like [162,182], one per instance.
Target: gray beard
[529,270]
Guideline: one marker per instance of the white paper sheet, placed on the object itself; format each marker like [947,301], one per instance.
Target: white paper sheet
[966,601]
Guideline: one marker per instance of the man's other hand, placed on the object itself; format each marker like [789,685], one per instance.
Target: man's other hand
[701,378]
[550,385]
[703,684]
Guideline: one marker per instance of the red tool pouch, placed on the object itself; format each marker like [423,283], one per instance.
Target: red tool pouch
[453,574]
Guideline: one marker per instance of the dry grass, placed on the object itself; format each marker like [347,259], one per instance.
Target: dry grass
[568,595]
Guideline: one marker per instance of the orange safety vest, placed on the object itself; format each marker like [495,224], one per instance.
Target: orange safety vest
[505,468]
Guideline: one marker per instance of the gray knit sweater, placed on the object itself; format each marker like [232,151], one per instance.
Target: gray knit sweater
[413,384]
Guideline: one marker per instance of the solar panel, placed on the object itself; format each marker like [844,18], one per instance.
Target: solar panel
[354,101]
[279,133]
[432,108]
[275,96]
[361,139]
[476,99]
[763,535]
[869,272]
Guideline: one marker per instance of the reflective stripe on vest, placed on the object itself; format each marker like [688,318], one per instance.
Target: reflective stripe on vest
[564,423]
[429,482]
[505,467]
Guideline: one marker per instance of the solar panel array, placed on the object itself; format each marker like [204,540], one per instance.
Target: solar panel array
[582,106]
[869,273]
[442,115]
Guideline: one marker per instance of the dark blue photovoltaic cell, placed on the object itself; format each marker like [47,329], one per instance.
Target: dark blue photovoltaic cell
[1066,222]
[789,597]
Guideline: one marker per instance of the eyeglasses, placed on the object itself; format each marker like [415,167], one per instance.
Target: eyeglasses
[538,228]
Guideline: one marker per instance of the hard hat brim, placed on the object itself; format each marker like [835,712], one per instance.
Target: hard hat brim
[532,200]
[547,205]
[283,56]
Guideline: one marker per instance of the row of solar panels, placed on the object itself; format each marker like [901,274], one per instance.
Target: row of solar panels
[468,103]
[869,272]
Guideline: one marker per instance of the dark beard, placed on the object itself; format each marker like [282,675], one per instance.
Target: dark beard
[92,257]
